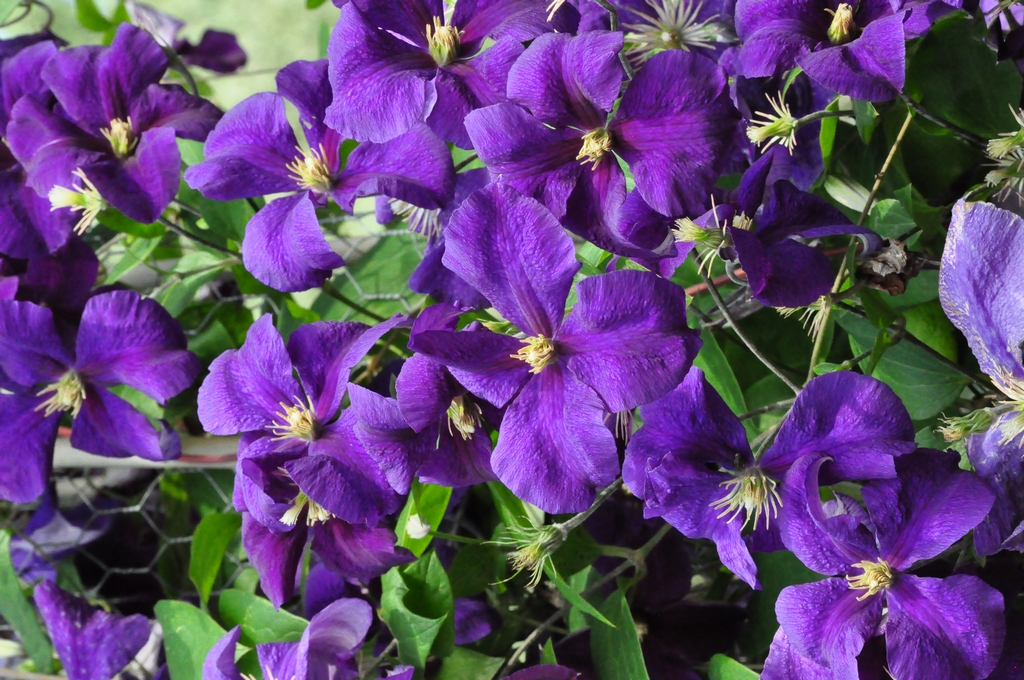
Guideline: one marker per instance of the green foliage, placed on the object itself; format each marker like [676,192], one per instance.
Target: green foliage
[426,504]
[616,650]
[419,609]
[575,598]
[722,667]
[189,634]
[209,542]
[16,610]
[465,663]
[259,620]
[775,571]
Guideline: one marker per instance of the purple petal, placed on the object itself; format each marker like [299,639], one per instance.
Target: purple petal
[929,506]
[627,337]
[127,339]
[217,51]
[305,84]
[545,673]
[220,660]
[553,449]
[28,227]
[358,551]
[787,274]
[425,390]
[474,620]
[31,351]
[407,18]
[247,154]
[91,644]
[856,420]
[775,33]
[750,193]
[393,445]
[284,247]
[825,622]
[984,243]
[171,106]
[381,83]
[520,20]
[415,167]
[143,185]
[457,460]
[784,662]
[313,348]
[943,628]
[1002,467]
[323,587]
[440,283]
[791,212]
[675,127]
[28,450]
[515,253]
[274,556]
[337,631]
[246,387]
[62,281]
[108,425]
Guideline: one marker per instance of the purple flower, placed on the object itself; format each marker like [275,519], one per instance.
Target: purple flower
[123,339]
[692,465]
[674,127]
[112,139]
[252,152]
[393,66]
[62,281]
[857,52]
[625,343]
[49,537]
[934,628]
[781,271]
[216,51]
[326,650]
[91,644]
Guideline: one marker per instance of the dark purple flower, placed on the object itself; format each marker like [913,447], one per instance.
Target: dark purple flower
[999,463]
[692,465]
[220,660]
[112,138]
[674,127]
[62,281]
[323,587]
[123,339]
[252,152]
[781,271]
[49,537]
[91,643]
[625,343]
[858,52]
[393,66]
[474,620]
[216,51]
[934,628]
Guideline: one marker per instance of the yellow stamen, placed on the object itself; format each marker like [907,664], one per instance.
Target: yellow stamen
[463,417]
[298,421]
[443,42]
[310,170]
[877,577]
[673,25]
[85,199]
[778,127]
[538,352]
[752,492]
[68,395]
[121,136]
[316,512]
[596,144]
[842,30]
[1012,426]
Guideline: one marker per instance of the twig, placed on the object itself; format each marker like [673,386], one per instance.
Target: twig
[777,406]
[885,168]
[466,162]
[171,226]
[188,208]
[606,493]
[958,132]
[613,24]
[722,307]
[380,659]
[340,297]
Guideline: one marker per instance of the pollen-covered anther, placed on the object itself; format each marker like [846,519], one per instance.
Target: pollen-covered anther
[674,25]
[877,577]
[463,417]
[298,421]
[742,221]
[707,241]
[443,41]
[959,428]
[842,29]
[751,492]
[596,144]
[315,513]
[84,198]
[538,352]
[310,170]
[121,136]
[68,393]
[779,127]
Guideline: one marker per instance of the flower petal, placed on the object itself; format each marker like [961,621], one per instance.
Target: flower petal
[305,84]
[274,556]
[396,448]
[787,274]
[31,351]
[313,348]
[358,551]
[171,106]
[220,660]
[1000,465]
[27,456]
[108,425]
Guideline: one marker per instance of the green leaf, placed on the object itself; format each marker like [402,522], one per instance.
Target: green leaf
[719,373]
[575,598]
[866,117]
[827,135]
[929,324]
[91,18]
[474,568]
[924,383]
[191,151]
[889,219]
[616,650]
[427,502]
[16,611]
[418,606]
[260,622]
[547,654]
[510,508]
[189,634]
[722,667]
[776,570]
[465,663]
[136,252]
[957,77]
[875,307]
[7,7]
[178,294]
[577,552]
[211,540]
[118,222]
[313,4]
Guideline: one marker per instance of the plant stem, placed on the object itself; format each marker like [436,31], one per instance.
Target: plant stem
[777,406]
[958,132]
[171,226]
[606,493]
[818,115]
[885,168]
[379,660]
[337,295]
[722,307]
[466,162]
[613,25]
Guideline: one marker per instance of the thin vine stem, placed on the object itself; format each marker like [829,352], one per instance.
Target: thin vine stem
[613,24]
[958,132]
[329,288]
[777,406]
[171,226]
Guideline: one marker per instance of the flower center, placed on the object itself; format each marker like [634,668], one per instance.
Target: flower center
[443,42]
[752,492]
[121,137]
[68,395]
[310,171]
[84,198]
[316,512]
[420,220]
[674,25]
[779,127]
[842,30]
[298,421]
[877,576]
[538,352]
[463,417]
[596,144]
[1012,426]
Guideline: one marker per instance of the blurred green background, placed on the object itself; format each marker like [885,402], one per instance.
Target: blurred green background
[272,32]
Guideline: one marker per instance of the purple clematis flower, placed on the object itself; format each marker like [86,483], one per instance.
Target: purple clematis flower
[91,643]
[854,49]
[393,66]
[674,126]
[326,650]
[28,227]
[62,281]
[123,339]
[692,465]
[252,152]
[934,628]
[216,51]
[624,344]
[781,271]
[51,536]
[112,139]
